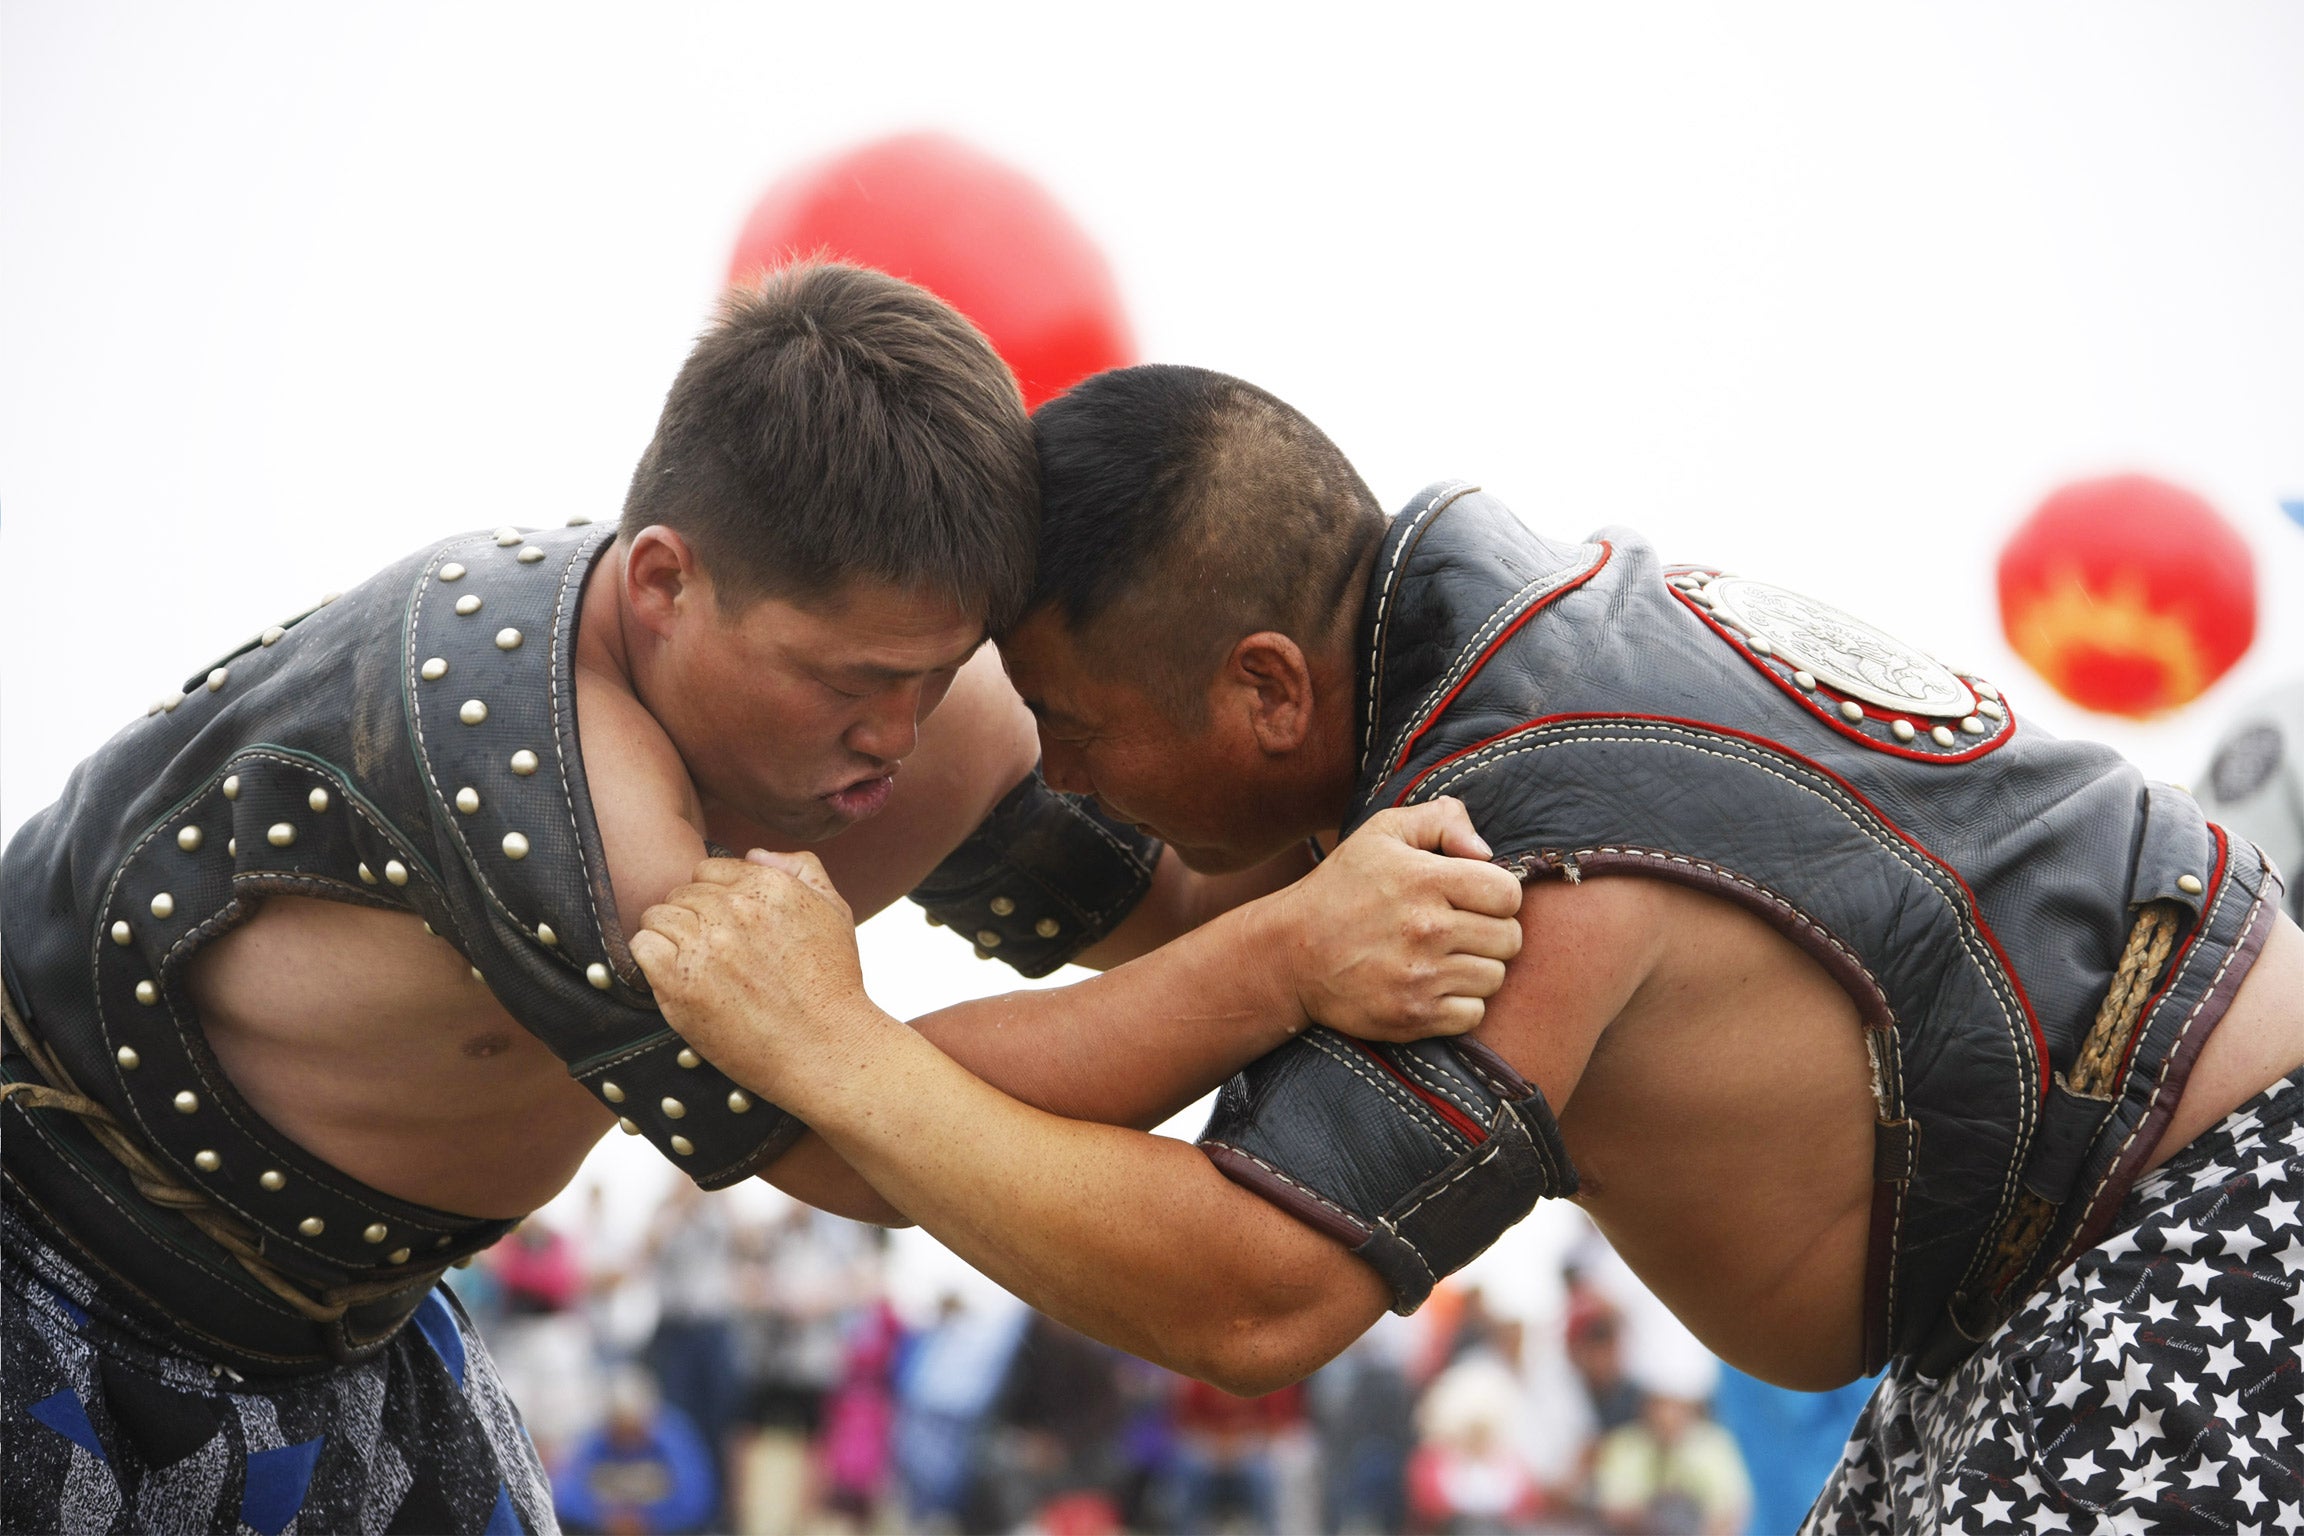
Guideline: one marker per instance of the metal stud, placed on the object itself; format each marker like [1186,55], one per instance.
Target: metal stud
[932,920]
[271,636]
[311,1226]
[531,555]
[395,872]
[982,953]
[599,976]
[2189,884]
[374,1232]
[611,1092]
[121,934]
[523,762]
[468,604]
[1700,598]
[739,1102]
[507,537]
[281,834]
[579,521]
[688,1058]
[328,597]
[468,800]
[546,937]
[1984,690]
[1851,711]
[128,1058]
[206,1161]
[163,905]
[1001,906]
[1804,680]
[1759,645]
[434,668]
[452,571]
[154,708]
[1973,726]
[231,847]
[1047,927]
[217,678]
[476,976]
[397,1256]
[318,799]
[168,704]
[473,712]
[231,786]
[147,994]
[188,839]
[683,1146]
[367,875]
[273,1179]
[625,1124]
[987,939]
[673,1109]
[1942,736]
[515,845]
[186,1101]
[1902,730]
[1991,711]
[507,639]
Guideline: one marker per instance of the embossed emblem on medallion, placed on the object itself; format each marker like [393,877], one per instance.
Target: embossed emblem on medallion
[1842,651]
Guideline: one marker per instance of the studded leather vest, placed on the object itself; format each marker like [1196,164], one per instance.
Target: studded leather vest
[409,746]
[1969,879]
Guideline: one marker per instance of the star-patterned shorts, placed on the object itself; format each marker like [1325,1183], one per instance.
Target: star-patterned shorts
[2154,1386]
[101,1432]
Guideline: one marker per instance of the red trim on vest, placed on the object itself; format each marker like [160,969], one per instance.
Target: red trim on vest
[2004,729]
[2023,1000]
[1408,747]
[1471,1128]
[2175,966]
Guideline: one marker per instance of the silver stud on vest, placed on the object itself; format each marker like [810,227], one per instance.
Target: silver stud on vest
[1942,736]
[507,639]
[1902,730]
[531,555]
[546,937]
[468,800]
[688,1058]
[452,571]
[186,1101]
[599,976]
[523,762]
[1851,711]
[281,834]
[987,939]
[625,1124]
[271,637]
[168,704]
[673,1109]
[395,872]
[1001,906]
[231,786]
[311,1226]
[515,845]
[1804,680]
[2189,884]
[468,604]
[1047,927]
[1973,726]
[217,678]
[127,1057]
[189,839]
[683,1146]
[434,668]
[1759,645]
[273,1179]
[738,1101]
[1991,711]
[611,1092]
[163,905]
[507,537]
[318,800]
[374,1232]
[206,1161]
[121,934]
[367,875]
[397,1256]
[231,847]
[473,712]
[147,994]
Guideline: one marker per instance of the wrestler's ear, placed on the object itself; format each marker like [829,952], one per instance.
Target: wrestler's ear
[663,579]
[1275,679]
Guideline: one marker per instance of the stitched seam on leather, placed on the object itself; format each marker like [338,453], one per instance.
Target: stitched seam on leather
[1423,1076]
[1689,740]
[1499,621]
[1459,1176]
[2160,1080]
[552,700]
[1414,1252]
[1384,591]
[221,1101]
[1419,1114]
[1296,1184]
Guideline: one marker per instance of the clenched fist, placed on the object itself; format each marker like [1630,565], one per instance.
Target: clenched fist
[1404,931]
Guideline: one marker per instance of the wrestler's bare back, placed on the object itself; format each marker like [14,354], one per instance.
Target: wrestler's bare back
[1719,1107]
[369,1041]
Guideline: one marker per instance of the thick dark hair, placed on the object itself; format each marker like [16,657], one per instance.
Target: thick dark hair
[1200,508]
[835,423]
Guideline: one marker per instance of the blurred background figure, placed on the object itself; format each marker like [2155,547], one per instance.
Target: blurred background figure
[1222,1474]
[1363,1408]
[2255,782]
[1671,1471]
[1790,1440]
[690,1262]
[644,1471]
[543,1343]
[945,1387]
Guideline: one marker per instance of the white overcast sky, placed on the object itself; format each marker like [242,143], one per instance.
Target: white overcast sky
[1827,293]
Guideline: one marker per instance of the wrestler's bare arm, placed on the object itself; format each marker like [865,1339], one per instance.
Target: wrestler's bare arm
[1134,1239]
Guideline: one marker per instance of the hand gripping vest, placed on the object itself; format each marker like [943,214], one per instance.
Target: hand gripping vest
[1970,881]
[411,746]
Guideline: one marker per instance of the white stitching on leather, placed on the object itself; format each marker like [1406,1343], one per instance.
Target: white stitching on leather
[1514,608]
[1584,733]
[1487,1156]
[1420,1114]
[1291,1183]
[1383,604]
[1423,1076]
[610,944]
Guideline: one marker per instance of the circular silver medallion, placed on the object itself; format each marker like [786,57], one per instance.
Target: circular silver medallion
[1845,653]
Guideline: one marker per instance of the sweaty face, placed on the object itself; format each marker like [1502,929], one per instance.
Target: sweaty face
[797,715]
[1201,787]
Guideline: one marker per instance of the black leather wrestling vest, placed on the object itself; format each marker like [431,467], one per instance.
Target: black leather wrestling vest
[1968,879]
[411,746]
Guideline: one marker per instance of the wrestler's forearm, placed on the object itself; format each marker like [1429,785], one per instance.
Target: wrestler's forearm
[1181,899]
[1133,1239]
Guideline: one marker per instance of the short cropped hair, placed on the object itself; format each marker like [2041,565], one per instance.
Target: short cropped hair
[1193,509]
[837,423]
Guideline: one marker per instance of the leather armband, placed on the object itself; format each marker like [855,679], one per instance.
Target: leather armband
[1416,1157]
[1042,879]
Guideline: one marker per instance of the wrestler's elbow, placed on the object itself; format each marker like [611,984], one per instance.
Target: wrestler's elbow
[1263,1343]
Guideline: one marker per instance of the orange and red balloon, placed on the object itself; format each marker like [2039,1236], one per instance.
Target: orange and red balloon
[2129,594]
[983,236]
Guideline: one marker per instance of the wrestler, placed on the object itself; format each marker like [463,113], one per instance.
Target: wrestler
[1872,1024]
[317,976]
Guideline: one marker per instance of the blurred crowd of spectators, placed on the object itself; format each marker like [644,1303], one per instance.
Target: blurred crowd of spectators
[750,1374]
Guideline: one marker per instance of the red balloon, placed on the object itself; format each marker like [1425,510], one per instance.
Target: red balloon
[2129,594]
[982,236]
